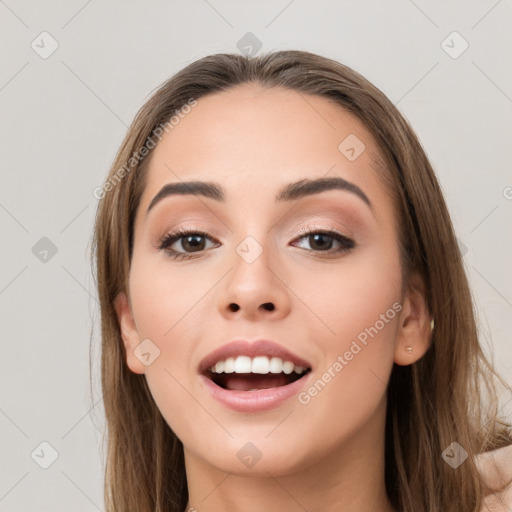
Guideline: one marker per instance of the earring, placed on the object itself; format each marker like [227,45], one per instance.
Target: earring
[409,349]
[432,324]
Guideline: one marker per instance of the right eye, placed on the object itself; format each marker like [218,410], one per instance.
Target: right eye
[191,241]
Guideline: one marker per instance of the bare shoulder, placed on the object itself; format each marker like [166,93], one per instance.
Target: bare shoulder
[496,468]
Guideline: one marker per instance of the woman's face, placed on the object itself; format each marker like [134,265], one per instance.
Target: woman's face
[333,303]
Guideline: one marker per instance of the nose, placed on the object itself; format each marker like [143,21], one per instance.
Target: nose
[255,290]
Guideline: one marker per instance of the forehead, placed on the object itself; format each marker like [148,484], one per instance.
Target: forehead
[255,140]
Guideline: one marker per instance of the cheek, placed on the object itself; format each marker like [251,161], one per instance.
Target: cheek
[357,306]
[169,308]
[164,295]
[342,299]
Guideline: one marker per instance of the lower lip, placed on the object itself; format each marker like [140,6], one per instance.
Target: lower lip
[254,401]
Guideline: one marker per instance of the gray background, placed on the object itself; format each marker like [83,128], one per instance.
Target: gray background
[64,116]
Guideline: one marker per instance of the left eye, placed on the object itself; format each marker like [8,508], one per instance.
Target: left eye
[323,241]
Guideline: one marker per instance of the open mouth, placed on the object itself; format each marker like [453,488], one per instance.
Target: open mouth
[251,381]
[244,374]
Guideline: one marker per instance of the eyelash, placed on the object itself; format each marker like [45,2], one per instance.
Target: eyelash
[168,239]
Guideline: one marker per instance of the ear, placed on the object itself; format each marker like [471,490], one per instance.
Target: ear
[414,329]
[129,333]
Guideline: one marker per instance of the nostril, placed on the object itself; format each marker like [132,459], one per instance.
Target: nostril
[268,306]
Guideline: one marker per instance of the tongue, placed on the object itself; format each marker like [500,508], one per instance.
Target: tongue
[245,382]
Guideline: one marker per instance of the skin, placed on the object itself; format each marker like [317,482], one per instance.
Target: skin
[327,454]
[496,468]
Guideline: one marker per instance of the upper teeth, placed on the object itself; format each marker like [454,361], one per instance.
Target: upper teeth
[259,364]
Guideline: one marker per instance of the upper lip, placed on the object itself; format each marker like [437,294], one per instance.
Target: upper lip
[252,349]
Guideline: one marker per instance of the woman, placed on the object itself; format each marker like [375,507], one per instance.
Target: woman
[286,321]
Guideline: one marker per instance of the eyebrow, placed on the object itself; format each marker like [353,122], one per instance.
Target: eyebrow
[290,192]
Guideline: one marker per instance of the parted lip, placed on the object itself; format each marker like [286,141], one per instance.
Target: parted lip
[252,349]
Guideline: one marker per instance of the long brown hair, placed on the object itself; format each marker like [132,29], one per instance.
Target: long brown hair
[449,395]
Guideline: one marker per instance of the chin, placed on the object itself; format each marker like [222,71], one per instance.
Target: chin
[255,456]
